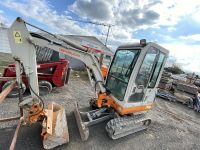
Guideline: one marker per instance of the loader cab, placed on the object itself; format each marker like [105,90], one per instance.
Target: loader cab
[135,72]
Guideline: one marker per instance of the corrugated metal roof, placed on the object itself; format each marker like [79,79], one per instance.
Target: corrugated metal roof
[4,43]
[90,41]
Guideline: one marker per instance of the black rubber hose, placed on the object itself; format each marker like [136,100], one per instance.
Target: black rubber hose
[95,86]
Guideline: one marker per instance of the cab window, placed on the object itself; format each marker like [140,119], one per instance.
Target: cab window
[120,71]
[146,67]
[157,70]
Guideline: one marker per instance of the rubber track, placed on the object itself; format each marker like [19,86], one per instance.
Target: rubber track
[123,126]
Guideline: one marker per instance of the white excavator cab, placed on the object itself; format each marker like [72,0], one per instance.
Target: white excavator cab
[134,74]
[131,86]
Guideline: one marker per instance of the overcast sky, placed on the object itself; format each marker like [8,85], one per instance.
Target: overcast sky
[175,24]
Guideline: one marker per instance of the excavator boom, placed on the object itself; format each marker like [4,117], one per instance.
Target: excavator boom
[24,42]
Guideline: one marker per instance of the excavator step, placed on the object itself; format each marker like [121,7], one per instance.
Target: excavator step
[123,126]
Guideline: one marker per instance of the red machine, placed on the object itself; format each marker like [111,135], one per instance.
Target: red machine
[51,74]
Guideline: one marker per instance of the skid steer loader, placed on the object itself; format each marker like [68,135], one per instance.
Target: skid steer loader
[123,98]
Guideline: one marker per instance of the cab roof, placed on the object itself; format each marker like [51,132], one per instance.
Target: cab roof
[138,45]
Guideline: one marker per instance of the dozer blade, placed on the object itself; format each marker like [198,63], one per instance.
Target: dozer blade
[55,129]
[83,129]
[85,119]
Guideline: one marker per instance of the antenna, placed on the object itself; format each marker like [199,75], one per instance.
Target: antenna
[107,34]
[95,23]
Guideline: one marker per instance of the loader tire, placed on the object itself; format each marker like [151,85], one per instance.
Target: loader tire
[45,87]
[15,92]
[68,72]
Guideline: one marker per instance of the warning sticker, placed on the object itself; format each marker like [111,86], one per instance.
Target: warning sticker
[17,36]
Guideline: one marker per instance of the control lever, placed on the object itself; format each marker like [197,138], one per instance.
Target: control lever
[138,89]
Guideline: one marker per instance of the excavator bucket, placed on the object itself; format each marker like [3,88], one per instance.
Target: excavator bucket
[55,129]
[82,127]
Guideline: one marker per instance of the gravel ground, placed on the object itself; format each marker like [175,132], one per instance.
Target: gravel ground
[174,126]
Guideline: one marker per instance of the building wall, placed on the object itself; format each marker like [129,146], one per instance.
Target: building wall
[75,64]
[4,43]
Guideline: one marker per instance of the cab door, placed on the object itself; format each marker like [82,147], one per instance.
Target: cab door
[154,80]
[120,72]
[147,76]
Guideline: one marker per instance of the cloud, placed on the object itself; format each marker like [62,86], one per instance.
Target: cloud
[137,14]
[170,29]
[186,56]
[195,37]
[59,23]
[94,9]
[130,14]
[196,14]
[127,16]
[172,11]
[3,20]
[137,17]
[42,12]
[125,13]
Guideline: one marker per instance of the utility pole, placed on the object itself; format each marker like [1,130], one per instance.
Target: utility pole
[96,23]
[101,55]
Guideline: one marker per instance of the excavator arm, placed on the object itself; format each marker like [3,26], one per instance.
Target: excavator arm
[23,46]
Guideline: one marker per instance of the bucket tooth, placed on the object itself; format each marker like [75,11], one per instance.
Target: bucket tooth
[55,126]
[83,129]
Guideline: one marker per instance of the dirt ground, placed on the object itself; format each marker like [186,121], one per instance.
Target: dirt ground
[174,126]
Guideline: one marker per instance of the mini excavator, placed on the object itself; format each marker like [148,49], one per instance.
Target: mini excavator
[123,98]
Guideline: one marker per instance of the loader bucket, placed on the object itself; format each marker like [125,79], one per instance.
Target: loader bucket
[55,129]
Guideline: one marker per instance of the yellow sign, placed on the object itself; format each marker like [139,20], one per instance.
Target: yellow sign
[17,37]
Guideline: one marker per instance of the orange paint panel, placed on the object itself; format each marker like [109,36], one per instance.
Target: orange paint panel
[135,109]
[104,70]
[120,109]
